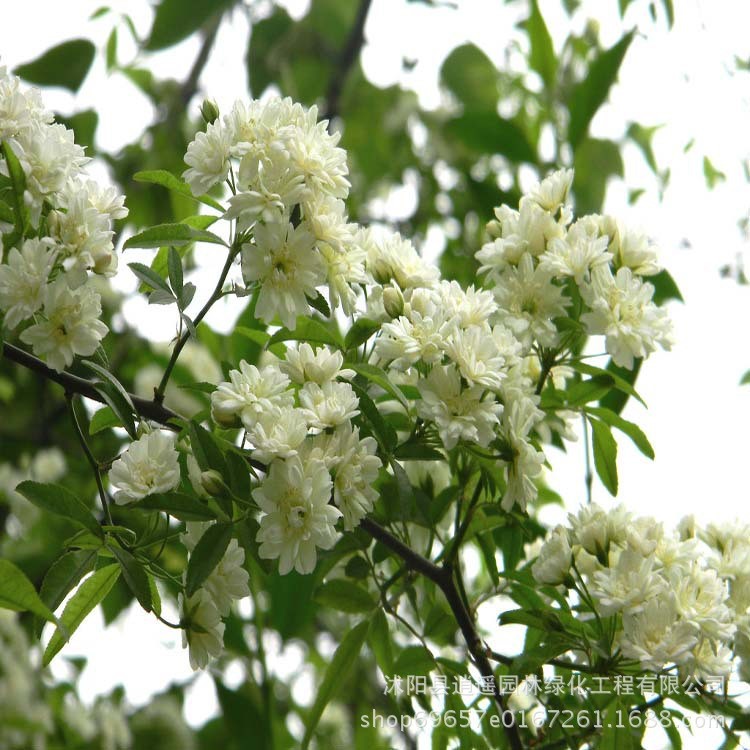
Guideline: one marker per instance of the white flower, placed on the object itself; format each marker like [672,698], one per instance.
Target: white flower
[149,465]
[288,268]
[23,280]
[355,467]
[475,352]
[277,433]
[19,110]
[528,301]
[470,414]
[627,586]
[576,258]
[328,405]
[228,580]
[304,364]
[596,529]
[249,394]
[553,191]
[472,307]
[203,633]
[392,257]
[623,311]
[709,660]
[700,598]
[553,564]
[656,636]
[526,461]
[71,326]
[633,250]
[297,515]
[207,157]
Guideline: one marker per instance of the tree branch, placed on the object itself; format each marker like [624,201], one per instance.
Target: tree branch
[190,85]
[348,57]
[73,384]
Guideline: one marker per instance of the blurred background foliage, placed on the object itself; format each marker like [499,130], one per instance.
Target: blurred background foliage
[495,127]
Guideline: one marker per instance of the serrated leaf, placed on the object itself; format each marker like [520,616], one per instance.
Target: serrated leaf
[605,454]
[88,595]
[150,278]
[17,592]
[178,505]
[160,297]
[171,182]
[65,65]
[310,330]
[171,234]
[110,378]
[338,668]
[120,406]
[207,555]
[633,431]
[188,292]
[344,596]
[135,576]
[64,574]
[592,91]
[56,499]
[103,419]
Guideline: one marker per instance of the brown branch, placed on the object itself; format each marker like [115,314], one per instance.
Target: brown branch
[442,576]
[348,57]
[73,384]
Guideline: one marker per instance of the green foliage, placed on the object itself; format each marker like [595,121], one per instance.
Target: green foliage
[65,65]
[18,593]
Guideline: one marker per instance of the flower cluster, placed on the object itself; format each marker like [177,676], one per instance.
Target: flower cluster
[683,597]
[297,416]
[289,181]
[61,229]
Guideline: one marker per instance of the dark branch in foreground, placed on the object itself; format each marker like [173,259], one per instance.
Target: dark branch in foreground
[73,384]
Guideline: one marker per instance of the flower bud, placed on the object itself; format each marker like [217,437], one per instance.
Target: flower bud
[212,482]
[393,301]
[209,111]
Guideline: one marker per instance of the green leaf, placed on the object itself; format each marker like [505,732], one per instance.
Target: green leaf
[713,175]
[344,596]
[384,433]
[207,452]
[471,76]
[379,640]
[615,400]
[542,55]
[605,454]
[65,65]
[263,56]
[207,555]
[89,594]
[310,330]
[155,596]
[178,505]
[64,574]
[588,390]
[416,451]
[378,377]
[56,499]
[171,234]
[360,332]
[111,379]
[617,381]
[174,268]
[6,213]
[176,20]
[18,183]
[103,419]
[171,182]
[110,54]
[135,576]
[118,400]
[592,91]
[594,163]
[357,568]
[150,278]
[17,592]
[342,662]
[486,132]
[633,431]
[319,303]
[83,124]
[665,288]
[745,378]
[416,660]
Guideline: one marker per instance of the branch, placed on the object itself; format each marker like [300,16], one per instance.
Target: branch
[190,86]
[348,57]
[73,384]
[443,578]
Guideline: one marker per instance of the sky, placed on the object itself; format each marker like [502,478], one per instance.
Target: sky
[683,79]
